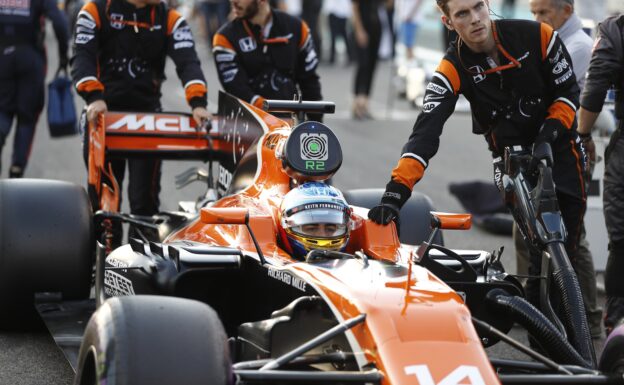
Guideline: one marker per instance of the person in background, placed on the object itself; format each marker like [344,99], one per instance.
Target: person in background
[266,54]
[339,12]
[508,8]
[606,70]
[310,12]
[410,18]
[23,71]
[119,63]
[367,32]
[215,14]
[560,15]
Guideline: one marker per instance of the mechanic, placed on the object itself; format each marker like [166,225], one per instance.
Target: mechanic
[560,15]
[120,48]
[266,54]
[606,70]
[23,71]
[313,215]
[518,78]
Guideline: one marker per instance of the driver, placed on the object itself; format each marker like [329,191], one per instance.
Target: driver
[313,216]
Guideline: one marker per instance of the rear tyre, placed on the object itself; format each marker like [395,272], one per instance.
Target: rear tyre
[612,358]
[415,220]
[154,340]
[46,244]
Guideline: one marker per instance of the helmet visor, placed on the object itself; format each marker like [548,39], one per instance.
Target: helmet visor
[321,223]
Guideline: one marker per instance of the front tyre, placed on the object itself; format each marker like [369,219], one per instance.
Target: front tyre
[154,340]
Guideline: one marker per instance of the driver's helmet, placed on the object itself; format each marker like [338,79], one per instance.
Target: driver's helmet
[314,216]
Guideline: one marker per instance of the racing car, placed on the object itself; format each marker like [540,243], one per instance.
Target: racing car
[208,294]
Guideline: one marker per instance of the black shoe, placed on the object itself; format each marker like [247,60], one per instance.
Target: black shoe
[16,172]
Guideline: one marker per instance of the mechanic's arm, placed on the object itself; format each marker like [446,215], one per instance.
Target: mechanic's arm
[306,76]
[181,48]
[61,30]
[439,103]
[232,74]
[605,65]
[557,64]
[84,62]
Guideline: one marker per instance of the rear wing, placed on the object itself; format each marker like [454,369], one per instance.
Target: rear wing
[230,136]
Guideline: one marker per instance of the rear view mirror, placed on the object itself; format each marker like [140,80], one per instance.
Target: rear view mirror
[224,215]
[450,221]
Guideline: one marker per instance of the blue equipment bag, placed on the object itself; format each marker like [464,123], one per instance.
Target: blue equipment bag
[61,110]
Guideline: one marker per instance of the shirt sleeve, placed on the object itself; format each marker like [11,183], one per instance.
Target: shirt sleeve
[84,63]
[607,63]
[181,49]
[439,102]
[59,24]
[557,67]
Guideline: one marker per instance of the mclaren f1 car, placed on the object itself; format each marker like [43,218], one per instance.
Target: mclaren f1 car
[209,294]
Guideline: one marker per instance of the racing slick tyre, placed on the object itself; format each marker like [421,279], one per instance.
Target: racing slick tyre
[414,216]
[154,340]
[612,359]
[46,244]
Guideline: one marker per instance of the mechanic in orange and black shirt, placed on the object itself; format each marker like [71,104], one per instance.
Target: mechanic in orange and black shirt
[266,54]
[120,47]
[518,78]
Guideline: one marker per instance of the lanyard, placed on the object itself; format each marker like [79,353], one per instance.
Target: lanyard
[513,62]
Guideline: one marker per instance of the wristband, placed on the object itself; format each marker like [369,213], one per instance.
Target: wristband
[585,136]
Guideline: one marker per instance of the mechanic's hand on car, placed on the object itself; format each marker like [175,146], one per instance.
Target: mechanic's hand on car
[200,115]
[392,200]
[94,109]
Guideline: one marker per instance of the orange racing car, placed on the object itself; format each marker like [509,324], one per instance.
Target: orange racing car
[210,294]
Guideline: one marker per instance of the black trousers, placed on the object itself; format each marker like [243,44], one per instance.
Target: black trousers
[367,59]
[338,29]
[613,205]
[22,74]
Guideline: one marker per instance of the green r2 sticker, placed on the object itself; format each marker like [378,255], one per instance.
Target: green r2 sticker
[314,147]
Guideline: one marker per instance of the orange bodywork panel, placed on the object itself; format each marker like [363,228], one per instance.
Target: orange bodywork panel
[451,221]
[224,215]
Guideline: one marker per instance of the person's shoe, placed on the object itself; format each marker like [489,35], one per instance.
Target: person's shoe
[16,172]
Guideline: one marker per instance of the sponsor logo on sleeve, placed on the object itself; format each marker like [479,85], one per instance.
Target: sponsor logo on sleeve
[86,23]
[183,33]
[83,38]
[560,67]
[228,76]
[436,88]
[428,107]
[565,77]
[224,57]
[429,97]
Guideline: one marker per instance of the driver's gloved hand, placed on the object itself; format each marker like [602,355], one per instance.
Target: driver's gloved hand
[392,200]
